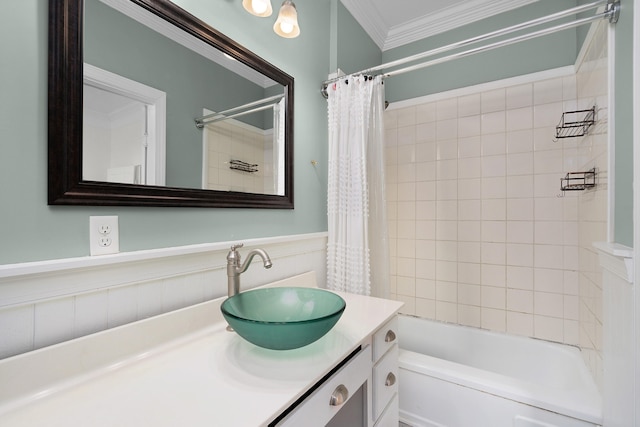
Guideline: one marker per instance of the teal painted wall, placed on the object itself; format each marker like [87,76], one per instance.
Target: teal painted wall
[581,32]
[540,54]
[30,230]
[355,49]
[624,81]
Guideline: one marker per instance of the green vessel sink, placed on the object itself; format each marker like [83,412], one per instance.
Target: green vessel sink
[283,318]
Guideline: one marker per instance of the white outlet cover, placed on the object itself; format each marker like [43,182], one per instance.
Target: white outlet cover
[97,236]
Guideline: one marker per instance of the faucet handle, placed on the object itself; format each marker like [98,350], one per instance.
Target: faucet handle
[233,257]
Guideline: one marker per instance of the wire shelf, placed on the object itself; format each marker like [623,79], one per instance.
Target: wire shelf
[239,165]
[578,181]
[576,123]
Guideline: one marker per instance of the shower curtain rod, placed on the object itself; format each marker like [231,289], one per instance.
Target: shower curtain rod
[223,115]
[611,12]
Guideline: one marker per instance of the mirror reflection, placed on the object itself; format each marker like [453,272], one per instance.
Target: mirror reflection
[123,130]
[162,108]
[114,135]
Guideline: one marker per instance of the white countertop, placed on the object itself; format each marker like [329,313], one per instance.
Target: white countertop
[178,369]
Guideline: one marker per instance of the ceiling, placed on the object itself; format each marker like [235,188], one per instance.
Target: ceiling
[393,23]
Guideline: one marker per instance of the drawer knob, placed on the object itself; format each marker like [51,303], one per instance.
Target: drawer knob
[391,380]
[390,337]
[339,396]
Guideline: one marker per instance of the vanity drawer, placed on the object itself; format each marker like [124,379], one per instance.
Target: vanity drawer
[317,408]
[385,338]
[385,381]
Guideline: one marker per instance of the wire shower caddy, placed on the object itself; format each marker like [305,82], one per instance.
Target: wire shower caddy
[576,123]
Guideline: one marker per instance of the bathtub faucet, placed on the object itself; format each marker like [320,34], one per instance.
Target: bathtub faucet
[235,267]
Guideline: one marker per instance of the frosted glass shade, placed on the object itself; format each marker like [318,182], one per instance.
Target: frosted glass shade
[287,23]
[260,8]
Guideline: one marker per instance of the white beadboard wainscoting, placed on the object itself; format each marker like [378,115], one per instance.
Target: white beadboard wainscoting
[47,302]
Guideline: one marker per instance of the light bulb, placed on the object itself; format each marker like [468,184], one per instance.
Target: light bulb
[259,6]
[286,27]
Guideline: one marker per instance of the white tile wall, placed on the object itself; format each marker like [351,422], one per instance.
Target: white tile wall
[230,139]
[591,209]
[492,245]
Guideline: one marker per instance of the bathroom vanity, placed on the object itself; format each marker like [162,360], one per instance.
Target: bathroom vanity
[185,368]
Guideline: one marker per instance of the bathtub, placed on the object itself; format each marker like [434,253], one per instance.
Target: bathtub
[458,376]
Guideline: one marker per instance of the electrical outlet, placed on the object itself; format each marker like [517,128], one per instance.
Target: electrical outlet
[104,229]
[103,235]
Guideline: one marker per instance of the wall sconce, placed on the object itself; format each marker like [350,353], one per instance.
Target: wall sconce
[260,8]
[287,23]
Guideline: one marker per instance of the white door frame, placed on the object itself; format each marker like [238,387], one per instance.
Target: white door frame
[155,99]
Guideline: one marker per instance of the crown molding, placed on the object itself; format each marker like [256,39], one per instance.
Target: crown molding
[429,25]
[448,19]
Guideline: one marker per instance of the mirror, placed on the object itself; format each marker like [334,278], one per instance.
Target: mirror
[148,106]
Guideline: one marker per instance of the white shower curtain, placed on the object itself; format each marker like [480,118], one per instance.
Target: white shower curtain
[357,251]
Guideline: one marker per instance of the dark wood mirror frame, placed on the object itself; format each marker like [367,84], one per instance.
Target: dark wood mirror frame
[66,186]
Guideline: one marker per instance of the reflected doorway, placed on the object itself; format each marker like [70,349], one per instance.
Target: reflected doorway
[123,130]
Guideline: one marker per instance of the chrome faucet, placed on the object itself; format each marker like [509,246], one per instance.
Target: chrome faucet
[235,267]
